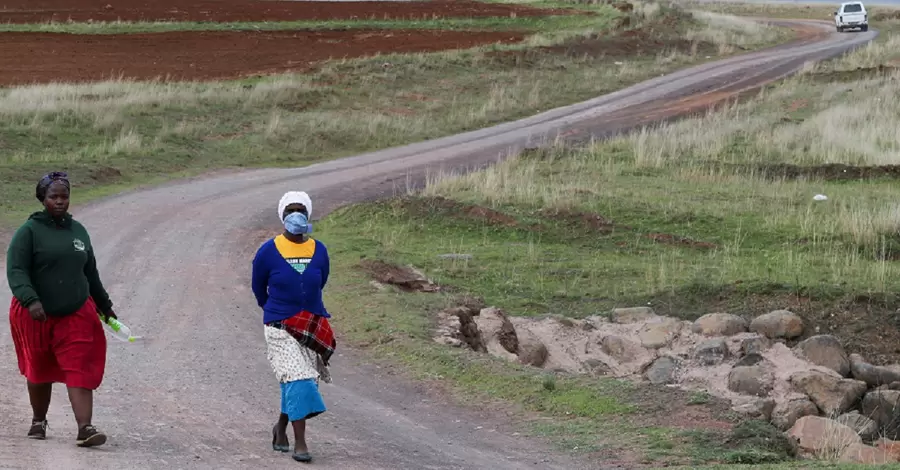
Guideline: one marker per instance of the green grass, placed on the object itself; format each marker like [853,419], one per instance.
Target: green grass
[112,135]
[546,23]
[793,465]
[817,11]
[593,416]
[393,327]
[550,23]
[766,244]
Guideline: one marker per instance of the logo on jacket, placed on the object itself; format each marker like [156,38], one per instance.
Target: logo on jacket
[299,264]
[79,245]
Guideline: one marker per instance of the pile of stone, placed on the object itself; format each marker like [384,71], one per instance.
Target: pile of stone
[833,404]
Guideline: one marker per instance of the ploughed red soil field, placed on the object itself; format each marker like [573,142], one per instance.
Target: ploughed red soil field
[40,11]
[29,58]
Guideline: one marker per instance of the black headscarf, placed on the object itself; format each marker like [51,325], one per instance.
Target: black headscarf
[44,184]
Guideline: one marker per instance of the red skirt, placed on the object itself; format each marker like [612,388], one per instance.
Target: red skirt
[69,350]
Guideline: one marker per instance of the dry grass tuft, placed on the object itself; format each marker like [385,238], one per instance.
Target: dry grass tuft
[730,32]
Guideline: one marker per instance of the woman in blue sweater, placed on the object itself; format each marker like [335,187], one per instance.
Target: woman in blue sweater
[289,273]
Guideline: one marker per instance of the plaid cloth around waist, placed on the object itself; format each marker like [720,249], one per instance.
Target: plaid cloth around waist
[310,330]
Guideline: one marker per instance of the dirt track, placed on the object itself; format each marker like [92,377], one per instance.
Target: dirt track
[199,393]
[31,58]
[41,11]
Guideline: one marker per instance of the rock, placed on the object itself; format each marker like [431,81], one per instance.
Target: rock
[448,341]
[662,371]
[719,324]
[597,367]
[778,324]
[883,407]
[751,380]
[833,395]
[473,303]
[629,356]
[865,427]
[532,351]
[621,349]
[868,455]
[755,345]
[787,413]
[448,330]
[750,360]
[711,351]
[657,334]
[822,437]
[874,376]
[825,351]
[498,333]
[458,324]
[632,315]
[757,408]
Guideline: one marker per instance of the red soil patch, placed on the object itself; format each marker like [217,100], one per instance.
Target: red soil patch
[829,172]
[404,277]
[470,211]
[572,219]
[40,11]
[46,57]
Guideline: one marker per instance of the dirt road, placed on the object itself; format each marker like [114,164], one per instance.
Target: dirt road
[199,393]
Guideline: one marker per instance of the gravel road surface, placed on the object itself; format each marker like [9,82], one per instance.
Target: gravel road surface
[198,392]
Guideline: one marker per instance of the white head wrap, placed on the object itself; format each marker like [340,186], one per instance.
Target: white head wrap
[294,197]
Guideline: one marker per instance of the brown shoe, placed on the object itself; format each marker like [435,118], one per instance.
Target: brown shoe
[89,436]
[38,430]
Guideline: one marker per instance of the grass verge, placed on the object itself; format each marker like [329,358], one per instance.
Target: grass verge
[539,23]
[114,134]
[709,214]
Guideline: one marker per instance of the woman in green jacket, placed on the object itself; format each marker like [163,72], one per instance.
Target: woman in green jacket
[53,316]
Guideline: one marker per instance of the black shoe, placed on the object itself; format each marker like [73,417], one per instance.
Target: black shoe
[89,436]
[38,430]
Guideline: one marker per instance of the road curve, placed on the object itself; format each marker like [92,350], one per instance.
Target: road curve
[198,393]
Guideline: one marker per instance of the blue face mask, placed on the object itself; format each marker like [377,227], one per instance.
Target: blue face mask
[296,223]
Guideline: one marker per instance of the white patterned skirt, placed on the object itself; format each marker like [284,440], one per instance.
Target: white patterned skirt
[297,369]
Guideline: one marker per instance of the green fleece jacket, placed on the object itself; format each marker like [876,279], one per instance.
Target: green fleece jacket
[53,262]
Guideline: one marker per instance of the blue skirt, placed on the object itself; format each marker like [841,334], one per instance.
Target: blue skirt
[301,399]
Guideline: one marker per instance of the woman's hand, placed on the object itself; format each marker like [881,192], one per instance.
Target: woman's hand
[36,310]
[110,314]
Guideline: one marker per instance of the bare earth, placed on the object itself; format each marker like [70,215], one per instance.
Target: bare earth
[199,392]
[42,11]
[34,58]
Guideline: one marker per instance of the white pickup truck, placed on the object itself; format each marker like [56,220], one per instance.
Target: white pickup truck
[851,15]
